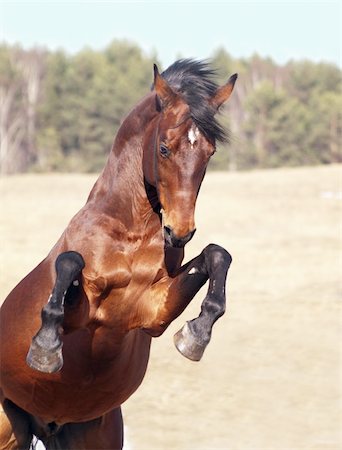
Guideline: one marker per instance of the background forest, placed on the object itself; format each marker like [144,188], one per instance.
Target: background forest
[60,112]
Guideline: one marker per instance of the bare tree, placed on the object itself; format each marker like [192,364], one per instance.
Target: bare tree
[11,117]
[32,65]
[20,84]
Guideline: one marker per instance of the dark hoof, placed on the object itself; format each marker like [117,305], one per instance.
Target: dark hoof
[186,343]
[45,360]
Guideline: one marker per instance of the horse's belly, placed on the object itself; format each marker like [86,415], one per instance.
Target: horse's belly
[85,388]
[105,383]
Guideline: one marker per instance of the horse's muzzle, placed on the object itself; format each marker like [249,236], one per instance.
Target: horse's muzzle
[172,240]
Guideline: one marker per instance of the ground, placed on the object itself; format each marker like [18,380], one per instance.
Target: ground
[271,376]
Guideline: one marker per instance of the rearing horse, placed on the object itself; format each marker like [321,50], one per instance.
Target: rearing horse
[76,332]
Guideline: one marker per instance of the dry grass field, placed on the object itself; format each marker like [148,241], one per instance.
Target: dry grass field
[271,376]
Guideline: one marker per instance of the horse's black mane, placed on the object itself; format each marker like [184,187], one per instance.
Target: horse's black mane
[194,80]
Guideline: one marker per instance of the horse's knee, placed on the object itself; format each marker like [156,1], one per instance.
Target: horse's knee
[218,255]
[14,428]
[69,265]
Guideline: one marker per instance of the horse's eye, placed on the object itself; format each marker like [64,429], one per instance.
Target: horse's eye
[164,151]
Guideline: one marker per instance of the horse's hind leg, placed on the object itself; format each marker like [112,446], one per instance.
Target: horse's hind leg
[104,433]
[45,352]
[14,428]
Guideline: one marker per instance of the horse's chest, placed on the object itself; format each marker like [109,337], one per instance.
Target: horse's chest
[114,290]
[122,268]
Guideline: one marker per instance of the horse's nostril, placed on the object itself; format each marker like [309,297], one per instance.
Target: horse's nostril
[168,231]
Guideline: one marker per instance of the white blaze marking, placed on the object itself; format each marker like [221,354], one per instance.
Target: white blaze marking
[192,271]
[162,212]
[192,135]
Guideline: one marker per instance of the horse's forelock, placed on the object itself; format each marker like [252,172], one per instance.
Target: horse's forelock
[195,80]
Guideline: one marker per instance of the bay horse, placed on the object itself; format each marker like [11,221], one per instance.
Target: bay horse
[76,332]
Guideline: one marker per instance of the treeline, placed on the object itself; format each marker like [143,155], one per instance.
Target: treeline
[60,112]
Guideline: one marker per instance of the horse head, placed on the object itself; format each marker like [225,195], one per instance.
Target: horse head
[184,139]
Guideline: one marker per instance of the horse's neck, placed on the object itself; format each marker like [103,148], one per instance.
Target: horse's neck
[120,190]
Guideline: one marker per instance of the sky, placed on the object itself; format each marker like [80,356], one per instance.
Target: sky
[281,30]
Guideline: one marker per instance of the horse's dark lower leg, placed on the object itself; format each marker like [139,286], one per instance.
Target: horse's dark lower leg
[45,352]
[213,264]
[103,433]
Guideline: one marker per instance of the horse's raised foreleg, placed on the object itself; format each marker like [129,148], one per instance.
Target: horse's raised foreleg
[213,264]
[45,353]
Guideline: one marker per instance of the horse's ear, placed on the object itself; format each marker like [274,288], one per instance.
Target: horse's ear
[164,92]
[223,93]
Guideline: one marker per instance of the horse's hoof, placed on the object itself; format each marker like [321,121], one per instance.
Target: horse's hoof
[45,360]
[187,344]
